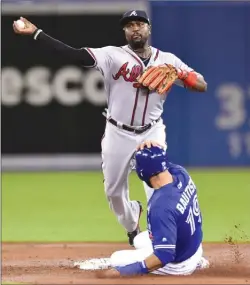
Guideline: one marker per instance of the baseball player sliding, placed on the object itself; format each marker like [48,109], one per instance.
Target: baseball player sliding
[137,79]
[173,242]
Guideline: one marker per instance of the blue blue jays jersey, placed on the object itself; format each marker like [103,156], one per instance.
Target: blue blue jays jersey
[174,218]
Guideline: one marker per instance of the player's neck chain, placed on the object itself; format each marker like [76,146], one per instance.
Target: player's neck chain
[146,54]
[145,59]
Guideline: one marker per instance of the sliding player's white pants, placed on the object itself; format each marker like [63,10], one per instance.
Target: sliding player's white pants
[143,249]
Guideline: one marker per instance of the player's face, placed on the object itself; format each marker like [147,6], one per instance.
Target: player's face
[137,33]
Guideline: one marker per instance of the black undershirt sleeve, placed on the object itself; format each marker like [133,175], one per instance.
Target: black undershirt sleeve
[80,56]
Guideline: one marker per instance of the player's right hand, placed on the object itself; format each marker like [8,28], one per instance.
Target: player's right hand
[110,273]
[29,28]
[148,144]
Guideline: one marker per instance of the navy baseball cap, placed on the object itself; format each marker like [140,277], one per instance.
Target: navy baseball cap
[134,15]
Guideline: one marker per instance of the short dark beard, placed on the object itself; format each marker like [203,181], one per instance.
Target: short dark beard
[137,45]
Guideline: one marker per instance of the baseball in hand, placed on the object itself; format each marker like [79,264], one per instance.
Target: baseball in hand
[20,24]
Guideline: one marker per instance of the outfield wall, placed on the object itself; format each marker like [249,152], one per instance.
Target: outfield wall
[213,37]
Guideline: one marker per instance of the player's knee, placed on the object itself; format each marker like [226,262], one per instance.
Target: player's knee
[116,259]
[113,196]
[111,190]
[142,240]
[115,202]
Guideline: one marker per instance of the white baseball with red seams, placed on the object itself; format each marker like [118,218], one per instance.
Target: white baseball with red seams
[133,106]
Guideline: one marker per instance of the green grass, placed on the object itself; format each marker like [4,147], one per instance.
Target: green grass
[72,206]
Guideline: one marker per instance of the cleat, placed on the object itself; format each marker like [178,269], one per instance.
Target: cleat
[203,264]
[132,235]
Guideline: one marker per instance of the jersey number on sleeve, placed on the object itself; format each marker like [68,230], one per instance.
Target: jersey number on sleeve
[194,212]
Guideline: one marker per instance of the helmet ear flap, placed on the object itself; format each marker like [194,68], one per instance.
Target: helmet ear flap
[149,184]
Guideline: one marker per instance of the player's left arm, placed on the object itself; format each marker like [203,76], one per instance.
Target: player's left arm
[164,231]
[189,78]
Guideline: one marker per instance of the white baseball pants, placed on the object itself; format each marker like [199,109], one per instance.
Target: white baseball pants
[118,148]
[144,249]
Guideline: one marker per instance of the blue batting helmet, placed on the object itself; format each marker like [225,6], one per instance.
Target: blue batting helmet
[149,162]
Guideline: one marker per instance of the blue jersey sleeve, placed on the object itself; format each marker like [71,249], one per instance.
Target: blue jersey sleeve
[164,232]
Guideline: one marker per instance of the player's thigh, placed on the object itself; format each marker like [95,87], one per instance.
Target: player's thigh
[156,133]
[117,151]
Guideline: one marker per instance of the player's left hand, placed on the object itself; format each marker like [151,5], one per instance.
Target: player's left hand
[110,273]
[159,78]
[148,144]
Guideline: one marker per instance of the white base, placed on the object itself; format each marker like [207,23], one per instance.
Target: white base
[94,264]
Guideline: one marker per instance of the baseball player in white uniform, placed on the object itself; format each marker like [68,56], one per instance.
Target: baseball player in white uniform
[133,113]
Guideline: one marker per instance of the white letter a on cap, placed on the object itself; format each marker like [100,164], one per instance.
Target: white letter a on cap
[133,14]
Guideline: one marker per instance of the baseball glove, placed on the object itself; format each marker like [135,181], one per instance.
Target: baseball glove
[159,78]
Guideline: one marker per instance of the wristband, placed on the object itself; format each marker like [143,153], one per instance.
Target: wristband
[136,268]
[36,33]
[189,78]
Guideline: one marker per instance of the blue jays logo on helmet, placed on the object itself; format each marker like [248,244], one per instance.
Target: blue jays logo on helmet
[149,162]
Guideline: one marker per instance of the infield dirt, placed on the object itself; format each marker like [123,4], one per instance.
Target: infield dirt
[40,263]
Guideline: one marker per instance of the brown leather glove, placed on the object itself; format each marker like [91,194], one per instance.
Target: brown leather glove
[159,78]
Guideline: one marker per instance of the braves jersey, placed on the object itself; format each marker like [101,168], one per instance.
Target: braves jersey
[120,67]
[174,218]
